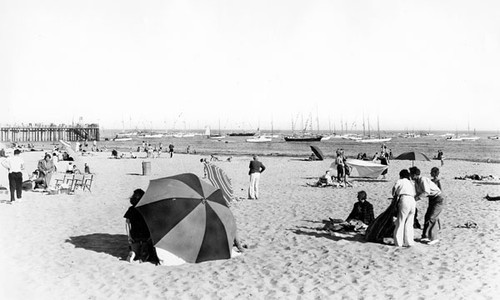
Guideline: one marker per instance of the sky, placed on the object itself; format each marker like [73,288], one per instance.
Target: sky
[414,65]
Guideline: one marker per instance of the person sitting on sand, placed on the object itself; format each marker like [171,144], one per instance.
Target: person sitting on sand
[114,153]
[86,169]
[34,182]
[325,180]
[70,168]
[362,210]
[140,244]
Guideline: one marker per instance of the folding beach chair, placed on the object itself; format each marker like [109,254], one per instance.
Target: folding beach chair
[59,179]
[77,181]
[87,182]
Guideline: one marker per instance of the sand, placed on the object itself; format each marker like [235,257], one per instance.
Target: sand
[74,246]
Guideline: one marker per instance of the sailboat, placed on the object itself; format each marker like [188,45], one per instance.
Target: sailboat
[464,138]
[216,136]
[373,140]
[124,136]
[304,136]
[470,138]
[260,139]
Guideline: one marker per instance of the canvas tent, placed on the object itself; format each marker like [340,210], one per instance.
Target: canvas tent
[362,168]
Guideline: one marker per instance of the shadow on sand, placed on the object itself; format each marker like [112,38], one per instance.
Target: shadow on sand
[367,179]
[319,233]
[112,244]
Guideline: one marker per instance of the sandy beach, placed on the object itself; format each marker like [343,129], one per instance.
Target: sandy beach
[74,246]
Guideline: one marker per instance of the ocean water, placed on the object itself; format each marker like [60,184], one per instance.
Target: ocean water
[482,150]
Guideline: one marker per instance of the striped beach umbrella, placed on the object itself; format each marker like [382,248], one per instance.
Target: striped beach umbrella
[188,217]
[220,180]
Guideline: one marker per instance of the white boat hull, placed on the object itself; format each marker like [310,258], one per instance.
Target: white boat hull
[260,139]
[374,140]
[122,139]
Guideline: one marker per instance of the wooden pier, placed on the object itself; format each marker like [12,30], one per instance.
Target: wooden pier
[41,133]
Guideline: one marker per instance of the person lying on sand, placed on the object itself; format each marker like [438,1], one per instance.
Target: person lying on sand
[325,180]
[492,198]
[476,177]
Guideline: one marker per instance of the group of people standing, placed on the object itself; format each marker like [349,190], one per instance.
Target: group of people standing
[398,219]
[343,170]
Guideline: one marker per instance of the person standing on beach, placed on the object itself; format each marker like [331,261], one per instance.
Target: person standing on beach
[47,168]
[15,165]
[256,168]
[140,243]
[384,160]
[171,149]
[403,193]
[425,187]
[339,161]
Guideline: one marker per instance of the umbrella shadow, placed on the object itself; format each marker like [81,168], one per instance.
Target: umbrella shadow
[320,233]
[112,244]
[302,159]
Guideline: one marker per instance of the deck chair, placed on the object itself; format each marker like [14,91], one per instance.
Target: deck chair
[78,181]
[69,180]
[59,179]
[87,182]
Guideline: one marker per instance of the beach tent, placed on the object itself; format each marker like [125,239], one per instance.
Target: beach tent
[219,179]
[364,168]
[319,154]
[189,218]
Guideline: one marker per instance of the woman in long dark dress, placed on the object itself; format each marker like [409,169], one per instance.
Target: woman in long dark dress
[383,225]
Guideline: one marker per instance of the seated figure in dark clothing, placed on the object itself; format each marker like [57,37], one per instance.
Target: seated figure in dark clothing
[362,210]
[358,220]
[140,244]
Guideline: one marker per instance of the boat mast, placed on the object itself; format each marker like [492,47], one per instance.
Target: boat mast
[317,118]
[378,126]
[364,132]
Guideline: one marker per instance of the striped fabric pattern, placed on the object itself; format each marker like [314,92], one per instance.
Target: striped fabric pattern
[220,180]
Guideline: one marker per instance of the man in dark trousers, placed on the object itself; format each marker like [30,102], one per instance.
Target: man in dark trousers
[256,167]
[15,165]
[171,149]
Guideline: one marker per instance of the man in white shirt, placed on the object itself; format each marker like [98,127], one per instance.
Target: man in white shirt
[15,165]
